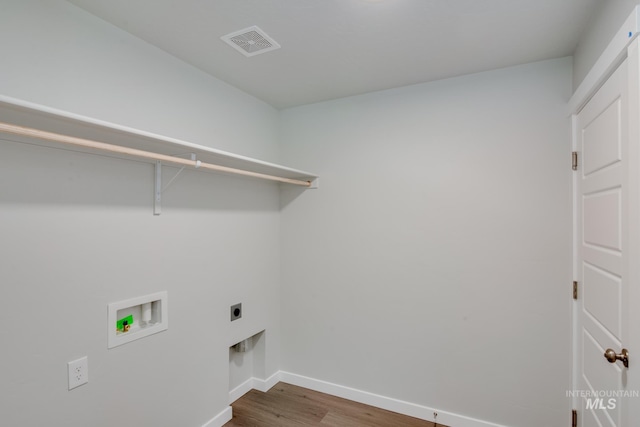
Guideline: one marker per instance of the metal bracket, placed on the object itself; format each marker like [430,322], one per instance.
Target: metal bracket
[157,200]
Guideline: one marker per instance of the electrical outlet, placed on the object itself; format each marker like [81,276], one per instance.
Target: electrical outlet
[78,372]
[236,311]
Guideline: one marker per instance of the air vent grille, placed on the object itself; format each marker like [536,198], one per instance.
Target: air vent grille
[251,41]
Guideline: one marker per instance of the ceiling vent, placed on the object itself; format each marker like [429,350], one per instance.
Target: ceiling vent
[251,41]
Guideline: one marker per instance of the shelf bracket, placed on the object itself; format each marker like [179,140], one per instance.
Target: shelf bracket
[157,201]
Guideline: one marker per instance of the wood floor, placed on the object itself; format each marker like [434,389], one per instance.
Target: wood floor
[286,405]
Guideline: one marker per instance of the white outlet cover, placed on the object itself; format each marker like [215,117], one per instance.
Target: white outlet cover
[78,372]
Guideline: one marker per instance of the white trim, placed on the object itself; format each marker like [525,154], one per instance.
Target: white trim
[612,56]
[378,401]
[241,390]
[575,304]
[253,383]
[633,205]
[390,404]
[221,419]
[265,385]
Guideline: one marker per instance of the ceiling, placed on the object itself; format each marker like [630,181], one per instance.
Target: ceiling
[337,48]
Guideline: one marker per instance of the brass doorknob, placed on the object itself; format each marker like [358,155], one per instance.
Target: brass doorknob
[611,356]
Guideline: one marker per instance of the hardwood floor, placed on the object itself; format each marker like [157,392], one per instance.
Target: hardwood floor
[286,405]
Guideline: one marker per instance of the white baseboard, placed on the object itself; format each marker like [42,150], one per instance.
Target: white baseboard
[265,385]
[221,419]
[399,406]
[241,390]
[253,383]
[390,404]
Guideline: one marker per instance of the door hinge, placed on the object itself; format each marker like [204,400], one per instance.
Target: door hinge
[574,418]
[574,160]
[575,290]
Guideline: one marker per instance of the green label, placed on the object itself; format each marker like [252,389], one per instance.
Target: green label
[128,319]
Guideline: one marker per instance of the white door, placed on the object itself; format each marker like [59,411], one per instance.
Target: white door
[607,211]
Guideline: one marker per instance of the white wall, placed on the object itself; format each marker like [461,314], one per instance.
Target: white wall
[603,25]
[434,264]
[77,232]
[441,231]
[61,56]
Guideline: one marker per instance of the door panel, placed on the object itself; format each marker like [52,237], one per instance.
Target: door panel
[602,221]
[601,297]
[605,260]
[602,140]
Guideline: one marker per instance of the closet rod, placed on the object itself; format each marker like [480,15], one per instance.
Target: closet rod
[81,142]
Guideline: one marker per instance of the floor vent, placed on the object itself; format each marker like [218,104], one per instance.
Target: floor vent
[251,41]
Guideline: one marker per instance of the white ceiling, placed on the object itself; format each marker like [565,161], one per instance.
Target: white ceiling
[336,48]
